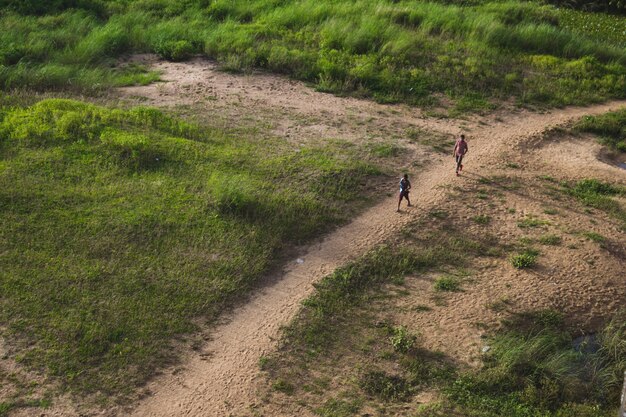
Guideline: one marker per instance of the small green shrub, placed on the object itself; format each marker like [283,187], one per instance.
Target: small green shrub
[598,194]
[595,187]
[402,340]
[526,259]
[609,127]
[447,283]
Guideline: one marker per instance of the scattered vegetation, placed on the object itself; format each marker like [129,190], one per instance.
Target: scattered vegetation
[409,51]
[122,226]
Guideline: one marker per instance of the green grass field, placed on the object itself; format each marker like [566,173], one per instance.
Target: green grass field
[409,51]
[120,227]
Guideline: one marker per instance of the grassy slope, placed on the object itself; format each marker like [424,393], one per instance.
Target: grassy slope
[122,226]
[408,51]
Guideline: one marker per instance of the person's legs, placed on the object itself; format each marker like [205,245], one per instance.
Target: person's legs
[399,201]
[459,159]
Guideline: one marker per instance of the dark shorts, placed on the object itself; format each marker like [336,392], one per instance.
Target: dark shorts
[404,194]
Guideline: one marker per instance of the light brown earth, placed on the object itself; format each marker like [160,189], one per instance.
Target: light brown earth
[222,378]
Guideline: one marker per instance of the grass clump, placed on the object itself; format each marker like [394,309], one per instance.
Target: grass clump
[610,127]
[386,150]
[338,408]
[533,368]
[551,240]
[530,222]
[447,283]
[121,227]
[600,195]
[595,237]
[525,259]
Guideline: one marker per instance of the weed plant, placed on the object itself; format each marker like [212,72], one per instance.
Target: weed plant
[409,51]
[121,227]
[525,259]
[448,283]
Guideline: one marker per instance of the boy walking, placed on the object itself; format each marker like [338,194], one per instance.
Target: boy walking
[460,149]
[405,186]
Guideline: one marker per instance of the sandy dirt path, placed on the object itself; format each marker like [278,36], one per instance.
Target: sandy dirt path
[221,378]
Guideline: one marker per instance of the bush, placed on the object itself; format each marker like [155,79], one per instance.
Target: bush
[526,259]
[402,340]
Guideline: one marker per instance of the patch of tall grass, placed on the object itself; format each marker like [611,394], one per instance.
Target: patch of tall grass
[121,227]
[390,51]
[598,194]
[610,127]
[537,369]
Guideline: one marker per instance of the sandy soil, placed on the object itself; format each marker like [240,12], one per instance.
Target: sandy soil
[223,377]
